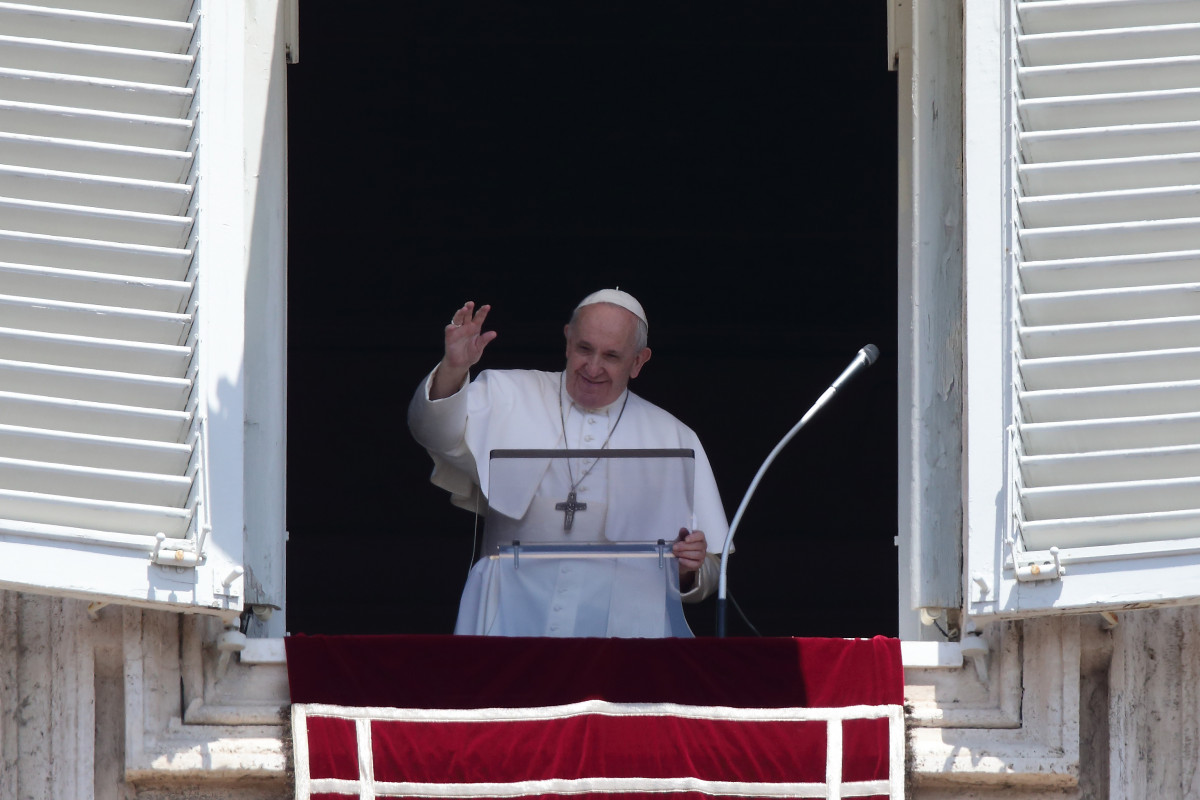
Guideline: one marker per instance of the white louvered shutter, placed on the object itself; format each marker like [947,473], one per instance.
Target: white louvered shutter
[105,490]
[1104,304]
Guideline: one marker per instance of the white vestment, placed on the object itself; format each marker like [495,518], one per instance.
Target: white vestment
[524,409]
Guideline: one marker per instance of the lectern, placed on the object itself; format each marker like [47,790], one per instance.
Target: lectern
[578,543]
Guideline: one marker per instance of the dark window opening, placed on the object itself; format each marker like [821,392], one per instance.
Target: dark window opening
[731,164]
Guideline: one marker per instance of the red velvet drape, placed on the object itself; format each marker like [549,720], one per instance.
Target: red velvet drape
[642,710]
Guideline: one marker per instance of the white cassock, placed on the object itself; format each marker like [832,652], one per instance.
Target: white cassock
[525,409]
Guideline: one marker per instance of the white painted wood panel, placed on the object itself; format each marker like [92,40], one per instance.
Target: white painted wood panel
[1101,282]
[102,412]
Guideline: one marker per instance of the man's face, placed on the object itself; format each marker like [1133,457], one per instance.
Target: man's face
[602,354]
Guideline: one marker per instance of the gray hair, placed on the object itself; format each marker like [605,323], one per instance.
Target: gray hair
[641,336]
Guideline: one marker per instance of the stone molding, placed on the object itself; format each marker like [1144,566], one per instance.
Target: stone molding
[123,702]
[1019,727]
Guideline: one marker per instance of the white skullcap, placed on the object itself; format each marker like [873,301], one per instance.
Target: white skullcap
[617,298]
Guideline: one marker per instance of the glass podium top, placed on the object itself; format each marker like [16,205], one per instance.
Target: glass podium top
[578,543]
[576,497]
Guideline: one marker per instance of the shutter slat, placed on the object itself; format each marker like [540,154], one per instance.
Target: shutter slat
[1056,405]
[138,33]
[1102,531]
[1108,77]
[109,127]
[87,319]
[76,383]
[1092,208]
[103,224]
[1128,238]
[98,419]
[97,288]
[94,94]
[1082,15]
[1110,305]
[95,353]
[152,9]
[1111,369]
[74,188]
[1112,465]
[1078,47]
[94,158]
[87,450]
[134,260]
[1106,110]
[95,484]
[1118,141]
[1111,498]
[1125,433]
[1125,336]
[100,515]
[1103,175]
[1114,271]
[91,61]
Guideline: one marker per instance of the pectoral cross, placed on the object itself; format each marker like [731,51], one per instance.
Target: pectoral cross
[569,508]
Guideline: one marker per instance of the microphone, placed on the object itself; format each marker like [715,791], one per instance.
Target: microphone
[865,358]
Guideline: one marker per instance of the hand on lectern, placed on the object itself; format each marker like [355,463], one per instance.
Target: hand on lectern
[690,549]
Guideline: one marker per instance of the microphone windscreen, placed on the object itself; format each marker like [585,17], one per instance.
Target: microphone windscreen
[871,352]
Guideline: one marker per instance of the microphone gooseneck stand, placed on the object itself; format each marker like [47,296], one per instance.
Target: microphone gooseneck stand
[865,358]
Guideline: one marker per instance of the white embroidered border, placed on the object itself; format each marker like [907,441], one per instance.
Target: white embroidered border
[601,708]
[604,786]
[367,788]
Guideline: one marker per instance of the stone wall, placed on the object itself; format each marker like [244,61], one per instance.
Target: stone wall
[120,703]
[117,703]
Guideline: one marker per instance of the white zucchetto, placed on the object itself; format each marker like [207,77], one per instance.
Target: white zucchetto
[617,298]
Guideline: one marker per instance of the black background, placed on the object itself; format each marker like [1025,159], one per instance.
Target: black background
[732,164]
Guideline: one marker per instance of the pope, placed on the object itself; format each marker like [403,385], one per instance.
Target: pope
[586,406]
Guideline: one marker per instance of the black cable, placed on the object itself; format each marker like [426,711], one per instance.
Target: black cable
[742,614]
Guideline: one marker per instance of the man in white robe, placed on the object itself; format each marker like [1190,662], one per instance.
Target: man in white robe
[587,406]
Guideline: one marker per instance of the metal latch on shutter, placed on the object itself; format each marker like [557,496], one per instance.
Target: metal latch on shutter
[176,554]
[1028,570]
